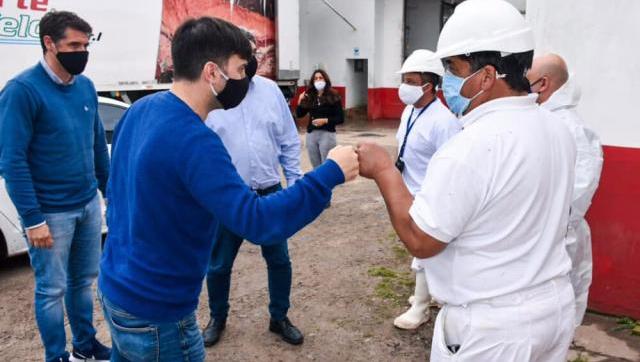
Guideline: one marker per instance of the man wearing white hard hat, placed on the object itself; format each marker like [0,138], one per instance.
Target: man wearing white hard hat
[493,210]
[425,125]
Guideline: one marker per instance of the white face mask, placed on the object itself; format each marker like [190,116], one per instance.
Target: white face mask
[410,94]
[319,84]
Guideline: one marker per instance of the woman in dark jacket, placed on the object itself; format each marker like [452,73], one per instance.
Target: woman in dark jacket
[324,106]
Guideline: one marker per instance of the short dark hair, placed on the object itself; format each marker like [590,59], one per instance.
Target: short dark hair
[434,79]
[249,35]
[198,41]
[55,24]
[515,66]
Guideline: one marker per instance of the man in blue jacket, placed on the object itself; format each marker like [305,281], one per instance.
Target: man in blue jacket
[53,157]
[172,182]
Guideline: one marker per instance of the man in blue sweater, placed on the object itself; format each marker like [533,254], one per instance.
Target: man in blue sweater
[172,182]
[53,157]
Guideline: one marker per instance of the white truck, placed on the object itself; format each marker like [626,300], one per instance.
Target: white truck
[130,54]
[130,50]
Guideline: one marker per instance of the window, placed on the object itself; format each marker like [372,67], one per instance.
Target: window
[110,115]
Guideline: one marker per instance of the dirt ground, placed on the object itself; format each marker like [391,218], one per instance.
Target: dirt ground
[351,278]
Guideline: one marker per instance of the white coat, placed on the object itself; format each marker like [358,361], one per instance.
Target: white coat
[587,176]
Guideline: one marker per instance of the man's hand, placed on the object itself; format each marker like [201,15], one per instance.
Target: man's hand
[319,122]
[40,237]
[347,159]
[373,160]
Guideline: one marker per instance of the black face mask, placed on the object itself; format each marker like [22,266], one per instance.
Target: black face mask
[252,67]
[73,62]
[234,92]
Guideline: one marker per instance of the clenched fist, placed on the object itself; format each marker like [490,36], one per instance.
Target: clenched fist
[347,159]
[40,237]
[373,160]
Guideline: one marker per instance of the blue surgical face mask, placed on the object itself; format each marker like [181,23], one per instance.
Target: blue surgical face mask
[451,87]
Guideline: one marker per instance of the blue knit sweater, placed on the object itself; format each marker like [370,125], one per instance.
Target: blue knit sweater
[53,153]
[172,182]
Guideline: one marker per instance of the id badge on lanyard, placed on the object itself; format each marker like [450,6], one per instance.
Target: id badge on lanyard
[400,161]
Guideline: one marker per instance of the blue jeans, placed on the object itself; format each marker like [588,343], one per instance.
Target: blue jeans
[223,255]
[67,270]
[135,339]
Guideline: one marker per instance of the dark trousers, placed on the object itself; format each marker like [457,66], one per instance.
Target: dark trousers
[223,255]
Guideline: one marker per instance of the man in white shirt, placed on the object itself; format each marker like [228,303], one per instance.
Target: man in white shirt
[425,125]
[558,93]
[493,210]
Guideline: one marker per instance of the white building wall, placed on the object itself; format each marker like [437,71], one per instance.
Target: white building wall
[599,42]
[328,42]
[389,32]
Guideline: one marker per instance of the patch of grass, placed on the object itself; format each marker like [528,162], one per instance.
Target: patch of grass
[392,236]
[400,252]
[626,323]
[385,290]
[382,271]
[395,286]
[580,358]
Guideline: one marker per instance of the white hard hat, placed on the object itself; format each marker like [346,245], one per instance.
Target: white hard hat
[485,25]
[422,61]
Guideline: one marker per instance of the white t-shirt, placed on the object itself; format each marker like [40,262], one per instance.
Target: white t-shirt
[435,126]
[498,194]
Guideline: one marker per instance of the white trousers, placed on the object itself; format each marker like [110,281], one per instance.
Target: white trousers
[536,324]
[578,243]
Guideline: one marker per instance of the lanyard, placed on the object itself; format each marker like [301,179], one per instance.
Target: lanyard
[410,127]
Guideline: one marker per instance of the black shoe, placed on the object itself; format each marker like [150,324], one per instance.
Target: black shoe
[98,352]
[287,331]
[213,331]
[63,358]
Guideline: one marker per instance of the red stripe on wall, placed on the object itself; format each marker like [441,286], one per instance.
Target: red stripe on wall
[614,218]
[383,103]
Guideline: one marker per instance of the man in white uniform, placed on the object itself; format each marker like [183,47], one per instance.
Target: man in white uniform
[494,207]
[558,93]
[425,125]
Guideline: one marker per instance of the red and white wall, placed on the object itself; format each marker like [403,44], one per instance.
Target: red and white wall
[328,42]
[599,41]
[384,34]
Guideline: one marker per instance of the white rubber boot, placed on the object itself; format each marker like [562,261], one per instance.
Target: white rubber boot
[418,313]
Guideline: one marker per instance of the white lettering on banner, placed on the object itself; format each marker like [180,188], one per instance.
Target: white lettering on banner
[124,42]
[23,29]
